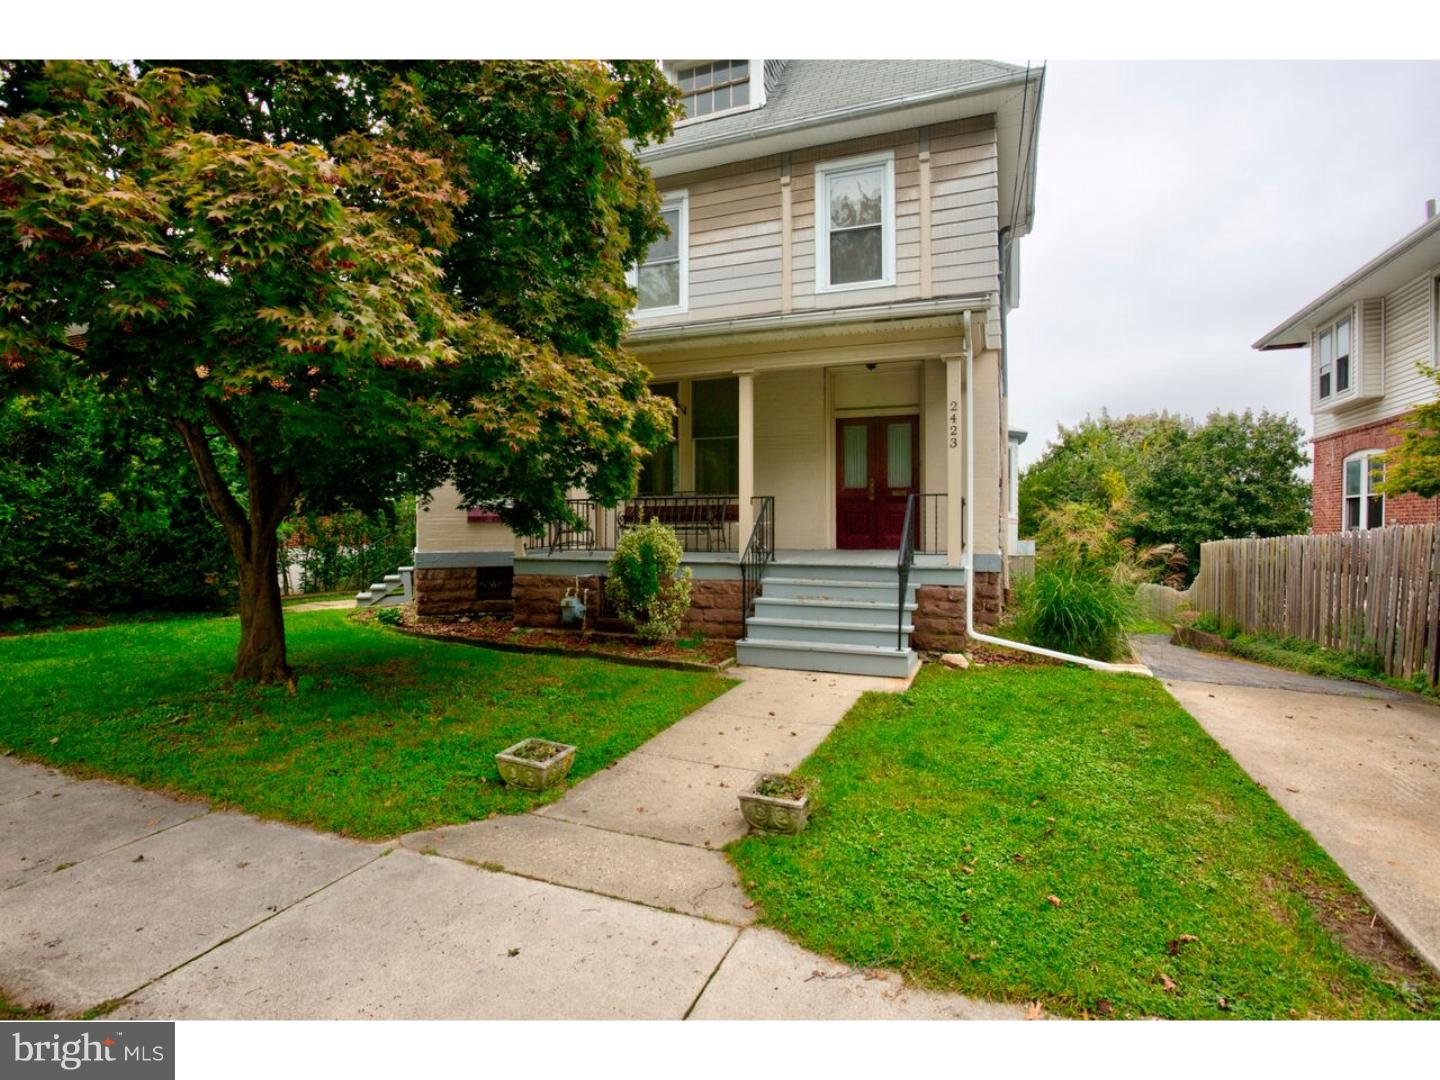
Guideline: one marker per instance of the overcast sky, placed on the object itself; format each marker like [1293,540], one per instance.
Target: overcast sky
[1184,209]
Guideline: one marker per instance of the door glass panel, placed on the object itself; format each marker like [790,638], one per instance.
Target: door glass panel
[856,451]
[897,457]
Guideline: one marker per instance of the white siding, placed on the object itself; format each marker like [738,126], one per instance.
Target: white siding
[1408,334]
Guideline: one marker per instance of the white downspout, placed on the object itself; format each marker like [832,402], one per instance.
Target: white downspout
[969,540]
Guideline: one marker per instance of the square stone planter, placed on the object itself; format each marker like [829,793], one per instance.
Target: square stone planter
[523,772]
[772,814]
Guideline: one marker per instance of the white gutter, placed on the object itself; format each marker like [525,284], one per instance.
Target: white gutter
[968,540]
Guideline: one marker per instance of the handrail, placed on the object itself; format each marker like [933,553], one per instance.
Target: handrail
[758,551]
[903,562]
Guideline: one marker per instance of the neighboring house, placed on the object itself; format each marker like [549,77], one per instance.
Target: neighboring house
[834,228]
[1368,338]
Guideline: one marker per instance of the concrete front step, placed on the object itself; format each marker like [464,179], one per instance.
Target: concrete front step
[867,612]
[845,659]
[836,589]
[821,571]
[827,633]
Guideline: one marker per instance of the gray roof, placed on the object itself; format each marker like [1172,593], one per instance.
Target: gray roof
[812,88]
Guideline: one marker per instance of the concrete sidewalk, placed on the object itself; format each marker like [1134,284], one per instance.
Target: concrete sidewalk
[1356,765]
[613,902]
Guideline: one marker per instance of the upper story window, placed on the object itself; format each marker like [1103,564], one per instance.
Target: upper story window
[714,86]
[1364,501]
[660,279]
[855,223]
[1334,358]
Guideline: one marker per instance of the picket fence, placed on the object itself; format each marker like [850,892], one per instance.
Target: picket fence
[1375,593]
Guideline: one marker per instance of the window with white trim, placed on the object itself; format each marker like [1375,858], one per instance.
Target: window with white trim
[660,279]
[1334,357]
[1364,502]
[714,86]
[855,223]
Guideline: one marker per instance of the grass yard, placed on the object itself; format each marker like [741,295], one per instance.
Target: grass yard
[1071,837]
[386,735]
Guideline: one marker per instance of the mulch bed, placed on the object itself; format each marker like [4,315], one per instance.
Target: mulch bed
[502,632]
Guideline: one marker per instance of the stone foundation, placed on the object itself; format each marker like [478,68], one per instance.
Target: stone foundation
[940,618]
[714,605]
[455,591]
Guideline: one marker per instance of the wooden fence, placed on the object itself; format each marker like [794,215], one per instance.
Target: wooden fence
[1374,593]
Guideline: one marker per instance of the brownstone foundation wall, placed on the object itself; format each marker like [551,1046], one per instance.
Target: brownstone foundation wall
[455,591]
[940,615]
[714,605]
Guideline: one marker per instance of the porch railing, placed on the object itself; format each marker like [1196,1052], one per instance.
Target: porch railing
[759,550]
[903,562]
[703,522]
[930,510]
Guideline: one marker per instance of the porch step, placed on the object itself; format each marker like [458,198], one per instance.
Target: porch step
[796,588]
[868,612]
[793,567]
[827,633]
[844,659]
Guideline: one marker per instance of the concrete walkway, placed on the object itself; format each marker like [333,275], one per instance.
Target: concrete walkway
[1356,765]
[613,902]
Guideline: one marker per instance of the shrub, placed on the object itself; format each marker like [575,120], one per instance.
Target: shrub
[1075,608]
[646,584]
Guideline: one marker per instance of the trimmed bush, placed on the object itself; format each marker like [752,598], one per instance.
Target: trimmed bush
[1075,608]
[646,583]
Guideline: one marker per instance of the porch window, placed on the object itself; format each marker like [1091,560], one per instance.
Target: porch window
[855,218]
[658,474]
[660,279]
[715,430]
[1364,501]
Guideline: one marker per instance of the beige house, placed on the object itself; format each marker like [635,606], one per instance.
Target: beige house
[828,314]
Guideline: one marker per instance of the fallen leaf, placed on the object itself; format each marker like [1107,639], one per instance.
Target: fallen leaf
[1166,983]
[513,952]
[1053,900]
[1036,1011]
[1183,939]
[1103,1008]
[1223,1004]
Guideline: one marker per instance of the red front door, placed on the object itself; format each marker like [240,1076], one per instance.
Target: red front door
[877,466]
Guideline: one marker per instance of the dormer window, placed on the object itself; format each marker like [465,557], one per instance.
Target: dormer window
[714,86]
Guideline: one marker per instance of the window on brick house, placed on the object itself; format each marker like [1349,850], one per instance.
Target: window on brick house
[1364,502]
[1334,358]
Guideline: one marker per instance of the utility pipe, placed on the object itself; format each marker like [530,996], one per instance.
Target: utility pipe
[969,539]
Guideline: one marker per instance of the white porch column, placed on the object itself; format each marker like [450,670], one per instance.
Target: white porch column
[746,518]
[954,455]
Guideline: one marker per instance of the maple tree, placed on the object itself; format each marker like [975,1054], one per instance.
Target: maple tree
[339,282]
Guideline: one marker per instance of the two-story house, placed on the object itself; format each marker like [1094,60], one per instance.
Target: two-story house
[828,314]
[1369,338]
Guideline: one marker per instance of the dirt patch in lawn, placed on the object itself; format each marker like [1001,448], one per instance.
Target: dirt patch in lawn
[1360,929]
[503,631]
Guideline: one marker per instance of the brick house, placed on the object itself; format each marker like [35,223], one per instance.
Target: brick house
[827,313]
[1369,339]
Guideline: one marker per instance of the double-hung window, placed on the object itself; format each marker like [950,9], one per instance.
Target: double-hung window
[855,223]
[1364,500]
[714,86]
[1334,358]
[660,279]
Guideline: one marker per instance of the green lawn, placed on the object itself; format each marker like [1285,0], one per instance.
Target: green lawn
[947,817]
[387,733]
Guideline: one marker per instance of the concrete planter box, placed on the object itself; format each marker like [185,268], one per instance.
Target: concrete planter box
[535,775]
[772,814]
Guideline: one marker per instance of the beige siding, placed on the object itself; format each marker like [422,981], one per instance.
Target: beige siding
[1407,333]
[991,448]
[790,457]
[441,526]
[736,245]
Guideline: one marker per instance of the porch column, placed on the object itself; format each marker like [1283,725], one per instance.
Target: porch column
[745,520]
[954,456]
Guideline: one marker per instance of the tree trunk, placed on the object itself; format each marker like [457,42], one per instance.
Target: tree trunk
[261,656]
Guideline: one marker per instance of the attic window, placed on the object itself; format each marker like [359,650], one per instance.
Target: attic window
[714,86]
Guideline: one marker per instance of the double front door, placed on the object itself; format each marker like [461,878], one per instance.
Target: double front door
[877,467]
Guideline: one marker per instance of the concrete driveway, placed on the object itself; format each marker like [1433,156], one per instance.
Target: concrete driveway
[613,902]
[1356,765]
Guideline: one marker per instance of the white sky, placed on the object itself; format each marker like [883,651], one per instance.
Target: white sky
[1184,209]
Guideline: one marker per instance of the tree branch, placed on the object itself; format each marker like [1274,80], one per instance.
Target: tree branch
[227,508]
